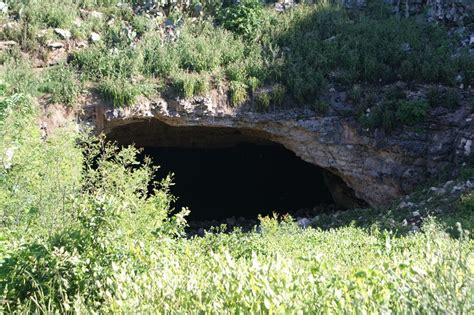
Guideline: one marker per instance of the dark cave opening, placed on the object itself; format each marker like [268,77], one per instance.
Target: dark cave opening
[223,172]
[240,181]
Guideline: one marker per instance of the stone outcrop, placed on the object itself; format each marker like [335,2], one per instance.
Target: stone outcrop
[377,166]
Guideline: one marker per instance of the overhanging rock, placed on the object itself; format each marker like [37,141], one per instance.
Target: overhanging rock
[377,166]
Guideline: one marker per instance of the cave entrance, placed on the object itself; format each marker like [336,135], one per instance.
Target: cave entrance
[227,172]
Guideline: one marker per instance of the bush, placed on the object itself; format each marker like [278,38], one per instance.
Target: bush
[121,91]
[253,83]
[98,62]
[201,87]
[446,98]
[412,112]
[189,84]
[278,94]
[243,18]
[159,59]
[238,93]
[63,85]
[262,100]
[19,76]
[321,106]
[74,208]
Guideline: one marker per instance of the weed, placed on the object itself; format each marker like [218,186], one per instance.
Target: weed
[412,112]
[238,93]
[19,76]
[278,94]
[63,84]
[262,101]
[120,91]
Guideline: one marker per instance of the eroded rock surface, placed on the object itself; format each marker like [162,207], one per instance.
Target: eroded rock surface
[377,166]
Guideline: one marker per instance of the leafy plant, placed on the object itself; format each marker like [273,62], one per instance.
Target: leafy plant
[278,93]
[19,76]
[121,91]
[411,112]
[238,93]
[63,84]
[243,18]
[262,100]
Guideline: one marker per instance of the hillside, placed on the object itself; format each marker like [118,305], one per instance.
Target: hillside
[236,156]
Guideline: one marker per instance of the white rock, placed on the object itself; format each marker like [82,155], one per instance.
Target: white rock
[416,213]
[471,40]
[95,37]
[65,34]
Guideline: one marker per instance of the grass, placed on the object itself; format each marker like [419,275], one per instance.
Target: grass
[122,92]
[63,84]
[19,76]
[284,269]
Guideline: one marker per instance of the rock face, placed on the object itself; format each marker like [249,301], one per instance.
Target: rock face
[378,167]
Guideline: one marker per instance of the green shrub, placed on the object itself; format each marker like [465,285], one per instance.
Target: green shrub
[262,101]
[196,51]
[121,91]
[356,94]
[238,93]
[278,94]
[99,62]
[201,87]
[253,83]
[320,106]
[63,84]
[243,18]
[119,36]
[140,24]
[19,76]
[440,97]
[97,197]
[236,72]
[411,112]
[185,86]
[407,71]
[451,99]
[434,96]
[159,59]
